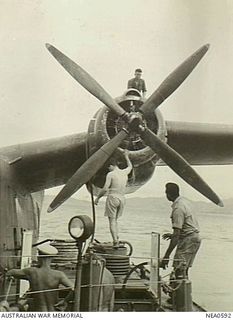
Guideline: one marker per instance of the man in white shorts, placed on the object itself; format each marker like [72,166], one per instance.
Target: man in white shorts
[115,185]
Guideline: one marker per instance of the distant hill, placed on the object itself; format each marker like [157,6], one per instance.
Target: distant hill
[147,203]
[164,204]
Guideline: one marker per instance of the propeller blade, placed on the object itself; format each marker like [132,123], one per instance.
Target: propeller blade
[178,164]
[83,78]
[173,81]
[88,170]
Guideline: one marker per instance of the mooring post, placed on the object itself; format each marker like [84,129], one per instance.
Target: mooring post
[183,296]
[188,295]
[154,264]
[78,280]
[90,290]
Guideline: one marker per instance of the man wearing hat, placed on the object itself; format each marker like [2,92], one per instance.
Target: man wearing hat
[44,281]
[137,82]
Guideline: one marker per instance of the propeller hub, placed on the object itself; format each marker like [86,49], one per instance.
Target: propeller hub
[135,120]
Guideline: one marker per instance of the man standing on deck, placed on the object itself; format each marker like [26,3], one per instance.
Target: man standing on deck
[44,280]
[138,83]
[185,234]
[115,184]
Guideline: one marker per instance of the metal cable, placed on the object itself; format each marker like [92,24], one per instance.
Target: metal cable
[88,285]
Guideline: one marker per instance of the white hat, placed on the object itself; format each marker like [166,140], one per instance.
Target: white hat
[47,249]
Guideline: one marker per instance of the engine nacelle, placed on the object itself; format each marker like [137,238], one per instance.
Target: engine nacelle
[106,124]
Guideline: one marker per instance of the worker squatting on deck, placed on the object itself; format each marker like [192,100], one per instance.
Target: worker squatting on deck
[185,234]
[115,185]
[44,280]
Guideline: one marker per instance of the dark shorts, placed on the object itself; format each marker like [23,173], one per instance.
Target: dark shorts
[114,206]
[186,250]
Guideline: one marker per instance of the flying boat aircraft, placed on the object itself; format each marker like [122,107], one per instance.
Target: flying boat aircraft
[127,122]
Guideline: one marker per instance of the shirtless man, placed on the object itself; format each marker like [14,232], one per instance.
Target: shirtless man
[44,279]
[115,185]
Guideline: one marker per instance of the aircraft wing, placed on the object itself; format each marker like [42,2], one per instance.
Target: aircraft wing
[44,164]
[49,163]
[202,143]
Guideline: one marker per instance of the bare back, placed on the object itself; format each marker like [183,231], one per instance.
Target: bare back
[118,182]
[45,280]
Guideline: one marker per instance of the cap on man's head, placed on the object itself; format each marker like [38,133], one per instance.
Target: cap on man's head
[138,70]
[47,250]
[172,187]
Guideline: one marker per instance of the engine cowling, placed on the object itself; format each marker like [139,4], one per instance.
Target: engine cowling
[106,124]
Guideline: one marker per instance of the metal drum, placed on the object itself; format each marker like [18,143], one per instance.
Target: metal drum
[67,253]
[117,259]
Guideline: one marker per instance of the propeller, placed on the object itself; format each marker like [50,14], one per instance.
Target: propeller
[175,161]
[83,78]
[173,81]
[88,170]
[179,165]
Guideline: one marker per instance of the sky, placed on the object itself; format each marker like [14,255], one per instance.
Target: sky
[39,100]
